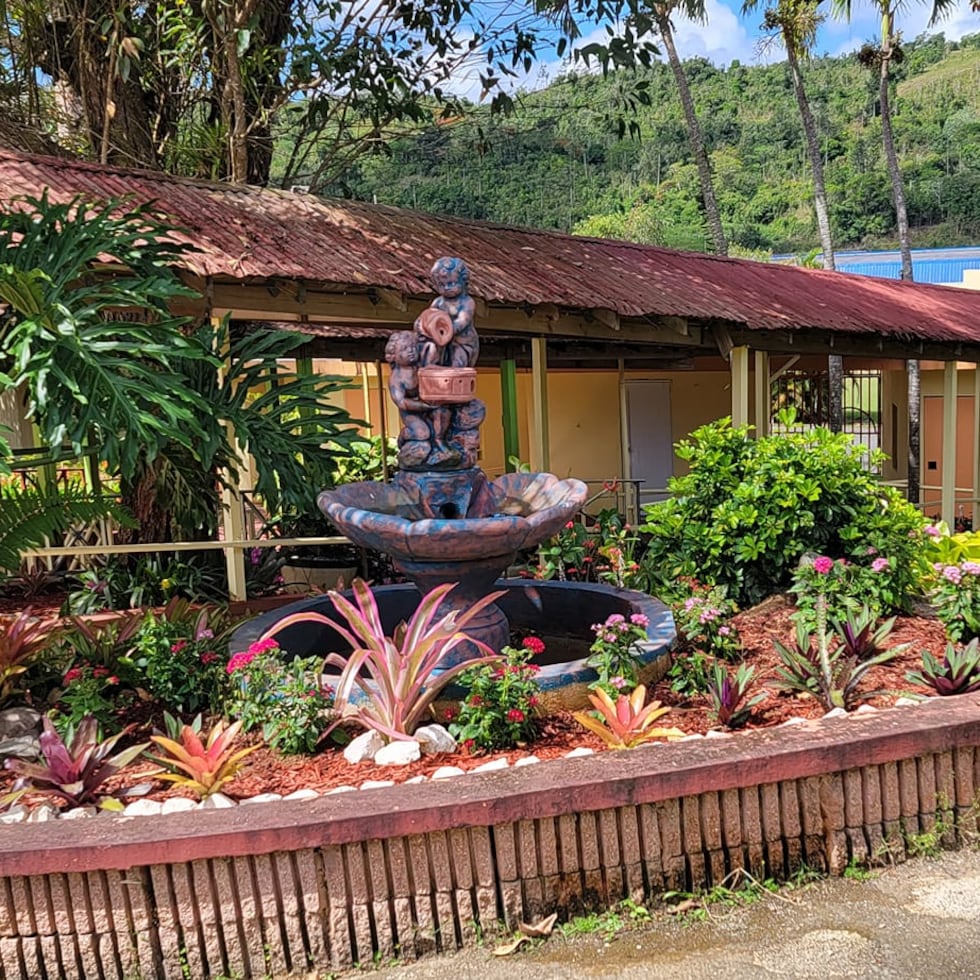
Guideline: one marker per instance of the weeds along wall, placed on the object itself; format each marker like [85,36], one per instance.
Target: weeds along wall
[284,888]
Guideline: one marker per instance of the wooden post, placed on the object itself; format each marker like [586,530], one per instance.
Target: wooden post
[948,498]
[509,417]
[382,420]
[915,433]
[763,394]
[540,440]
[233,516]
[739,361]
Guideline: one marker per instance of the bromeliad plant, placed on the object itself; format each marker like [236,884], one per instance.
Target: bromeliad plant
[728,692]
[957,673]
[833,676]
[22,637]
[861,636]
[75,772]
[202,766]
[400,676]
[625,722]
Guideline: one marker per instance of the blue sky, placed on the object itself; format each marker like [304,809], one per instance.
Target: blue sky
[729,35]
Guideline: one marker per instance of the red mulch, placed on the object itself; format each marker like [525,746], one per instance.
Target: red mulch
[267,771]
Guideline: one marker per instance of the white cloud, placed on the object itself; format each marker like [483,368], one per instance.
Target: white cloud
[722,39]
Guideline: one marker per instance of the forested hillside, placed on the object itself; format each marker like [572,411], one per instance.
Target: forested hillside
[559,162]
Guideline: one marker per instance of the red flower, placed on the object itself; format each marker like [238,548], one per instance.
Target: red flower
[73,675]
[533,645]
[475,700]
[515,714]
[208,657]
[533,700]
[178,646]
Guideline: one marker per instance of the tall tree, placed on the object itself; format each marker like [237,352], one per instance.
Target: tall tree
[795,23]
[202,87]
[662,14]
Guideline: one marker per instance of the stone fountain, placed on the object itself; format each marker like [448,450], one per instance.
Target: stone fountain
[441,519]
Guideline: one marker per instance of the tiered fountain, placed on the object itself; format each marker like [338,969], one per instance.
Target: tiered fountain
[442,520]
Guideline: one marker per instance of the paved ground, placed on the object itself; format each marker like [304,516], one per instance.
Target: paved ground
[918,921]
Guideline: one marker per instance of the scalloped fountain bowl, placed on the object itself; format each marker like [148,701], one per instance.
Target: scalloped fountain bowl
[456,526]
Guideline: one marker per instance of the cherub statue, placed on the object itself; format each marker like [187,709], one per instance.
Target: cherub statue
[451,279]
[422,440]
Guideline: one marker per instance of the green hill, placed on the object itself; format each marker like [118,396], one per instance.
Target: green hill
[558,162]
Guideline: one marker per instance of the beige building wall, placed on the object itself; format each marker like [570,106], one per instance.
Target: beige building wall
[18,432]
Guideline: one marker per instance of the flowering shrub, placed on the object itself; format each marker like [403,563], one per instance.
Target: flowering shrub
[847,586]
[956,598]
[702,621]
[498,711]
[613,654]
[288,701]
[179,663]
[89,690]
[602,552]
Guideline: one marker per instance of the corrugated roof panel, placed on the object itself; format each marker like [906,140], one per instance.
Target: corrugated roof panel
[247,232]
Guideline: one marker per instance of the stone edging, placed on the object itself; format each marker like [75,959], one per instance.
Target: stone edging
[377,871]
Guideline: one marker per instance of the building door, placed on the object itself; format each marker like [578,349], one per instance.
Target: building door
[649,440]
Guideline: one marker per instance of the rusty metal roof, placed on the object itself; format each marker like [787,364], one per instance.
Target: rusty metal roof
[248,232]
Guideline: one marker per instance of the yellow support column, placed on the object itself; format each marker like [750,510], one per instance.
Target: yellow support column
[948,506]
[739,362]
[976,447]
[233,518]
[762,394]
[540,439]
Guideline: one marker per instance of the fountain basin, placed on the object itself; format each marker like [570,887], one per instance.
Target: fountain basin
[560,613]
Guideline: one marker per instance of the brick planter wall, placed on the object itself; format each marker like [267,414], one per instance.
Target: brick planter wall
[326,883]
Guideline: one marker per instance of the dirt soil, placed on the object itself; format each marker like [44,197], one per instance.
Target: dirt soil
[269,772]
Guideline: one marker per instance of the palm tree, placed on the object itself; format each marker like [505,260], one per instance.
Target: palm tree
[662,14]
[796,22]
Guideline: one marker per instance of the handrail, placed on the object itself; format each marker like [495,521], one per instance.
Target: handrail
[132,549]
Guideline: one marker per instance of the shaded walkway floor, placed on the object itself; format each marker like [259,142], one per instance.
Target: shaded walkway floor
[918,921]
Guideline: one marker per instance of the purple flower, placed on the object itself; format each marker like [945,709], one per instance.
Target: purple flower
[952,574]
[880,565]
[823,564]
[970,568]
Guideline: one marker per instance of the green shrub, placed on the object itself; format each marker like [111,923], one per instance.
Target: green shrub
[748,509]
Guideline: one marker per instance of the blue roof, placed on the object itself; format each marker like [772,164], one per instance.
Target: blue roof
[936,265]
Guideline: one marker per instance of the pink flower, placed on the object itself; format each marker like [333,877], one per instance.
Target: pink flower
[952,574]
[618,682]
[880,565]
[823,564]
[261,646]
[615,618]
[638,619]
[515,714]
[724,630]
[970,568]
[533,644]
[933,532]
[240,660]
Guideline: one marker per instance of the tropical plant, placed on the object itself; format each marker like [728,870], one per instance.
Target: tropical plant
[833,676]
[957,673]
[89,691]
[179,662]
[75,772]
[290,702]
[748,509]
[703,621]
[728,693]
[615,652]
[202,766]
[22,637]
[30,517]
[796,23]
[400,676]
[956,598]
[625,723]
[499,709]
[364,460]
[862,636]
